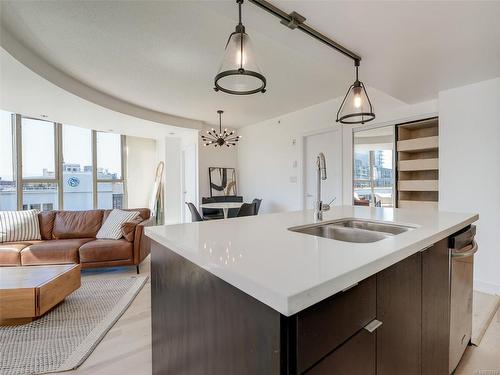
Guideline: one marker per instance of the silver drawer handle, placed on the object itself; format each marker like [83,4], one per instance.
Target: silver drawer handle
[373,325]
[467,253]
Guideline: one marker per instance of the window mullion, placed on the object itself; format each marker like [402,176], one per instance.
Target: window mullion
[18,160]
[94,168]
[59,162]
[124,169]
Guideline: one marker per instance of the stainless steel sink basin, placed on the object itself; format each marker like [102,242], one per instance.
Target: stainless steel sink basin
[372,226]
[352,230]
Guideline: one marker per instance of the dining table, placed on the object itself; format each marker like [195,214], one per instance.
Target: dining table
[224,206]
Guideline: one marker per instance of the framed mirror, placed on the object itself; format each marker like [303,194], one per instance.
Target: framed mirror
[222,181]
[373,177]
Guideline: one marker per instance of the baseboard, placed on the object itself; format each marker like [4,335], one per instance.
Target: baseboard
[487,287]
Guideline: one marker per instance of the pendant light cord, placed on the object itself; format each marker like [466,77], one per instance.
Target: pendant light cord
[239,10]
[220,122]
[241,29]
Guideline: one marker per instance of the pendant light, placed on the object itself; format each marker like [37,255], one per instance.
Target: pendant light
[222,138]
[239,73]
[356,107]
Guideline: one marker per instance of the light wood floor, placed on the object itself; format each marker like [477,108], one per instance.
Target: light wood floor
[126,349]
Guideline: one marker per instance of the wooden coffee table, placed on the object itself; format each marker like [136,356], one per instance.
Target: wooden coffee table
[26,293]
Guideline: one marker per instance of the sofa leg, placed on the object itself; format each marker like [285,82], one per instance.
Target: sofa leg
[137,268]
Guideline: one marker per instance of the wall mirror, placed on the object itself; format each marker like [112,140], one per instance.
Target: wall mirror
[222,181]
[373,167]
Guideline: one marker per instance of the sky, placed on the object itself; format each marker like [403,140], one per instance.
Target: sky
[38,147]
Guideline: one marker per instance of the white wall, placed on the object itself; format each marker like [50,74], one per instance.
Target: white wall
[469,168]
[209,156]
[141,167]
[172,180]
[270,157]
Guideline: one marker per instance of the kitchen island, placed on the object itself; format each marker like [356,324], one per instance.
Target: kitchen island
[250,296]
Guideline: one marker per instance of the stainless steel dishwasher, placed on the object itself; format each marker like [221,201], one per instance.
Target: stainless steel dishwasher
[462,249]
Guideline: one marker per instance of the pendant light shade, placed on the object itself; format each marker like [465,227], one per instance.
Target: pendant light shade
[356,107]
[239,73]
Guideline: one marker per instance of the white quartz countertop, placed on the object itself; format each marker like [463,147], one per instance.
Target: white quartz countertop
[291,271]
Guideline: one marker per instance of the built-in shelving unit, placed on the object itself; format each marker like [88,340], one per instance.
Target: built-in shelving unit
[418,164]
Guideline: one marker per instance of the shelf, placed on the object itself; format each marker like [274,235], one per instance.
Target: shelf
[418,185]
[418,165]
[418,144]
[424,205]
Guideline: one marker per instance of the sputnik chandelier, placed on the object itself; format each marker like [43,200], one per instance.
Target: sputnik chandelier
[222,138]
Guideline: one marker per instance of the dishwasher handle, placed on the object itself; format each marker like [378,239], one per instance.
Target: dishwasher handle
[466,251]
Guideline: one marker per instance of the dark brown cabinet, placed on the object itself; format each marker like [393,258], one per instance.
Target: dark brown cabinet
[355,357]
[203,325]
[326,325]
[399,307]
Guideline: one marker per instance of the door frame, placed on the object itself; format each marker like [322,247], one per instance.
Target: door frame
[191,148]
[303,162]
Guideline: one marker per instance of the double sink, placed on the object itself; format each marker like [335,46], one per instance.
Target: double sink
[353,230]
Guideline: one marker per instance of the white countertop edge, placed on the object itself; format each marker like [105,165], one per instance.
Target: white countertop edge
[322,291]
[291,305]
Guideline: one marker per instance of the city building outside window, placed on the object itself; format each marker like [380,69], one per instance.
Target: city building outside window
[63,166]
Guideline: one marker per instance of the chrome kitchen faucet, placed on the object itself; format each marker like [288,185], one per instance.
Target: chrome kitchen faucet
[319,206]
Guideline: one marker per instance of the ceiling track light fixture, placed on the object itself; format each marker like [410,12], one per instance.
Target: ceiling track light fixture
[222,138]
[356,108]
[239,74]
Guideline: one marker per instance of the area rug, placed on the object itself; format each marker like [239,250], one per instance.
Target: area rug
[62,339]
[484,309]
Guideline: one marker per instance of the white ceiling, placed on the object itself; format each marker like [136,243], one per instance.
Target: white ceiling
[163,55]
[23,91]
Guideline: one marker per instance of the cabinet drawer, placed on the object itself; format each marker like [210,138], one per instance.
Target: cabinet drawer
[323,327]
[355,357]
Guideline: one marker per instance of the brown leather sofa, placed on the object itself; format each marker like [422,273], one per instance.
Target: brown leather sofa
[69,237]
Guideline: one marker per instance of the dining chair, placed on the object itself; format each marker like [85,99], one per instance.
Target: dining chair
[257,205]
[232,212]
[247,209]
[211,213]
[195,215]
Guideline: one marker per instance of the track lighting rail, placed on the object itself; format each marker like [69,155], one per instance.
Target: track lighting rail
[295,20]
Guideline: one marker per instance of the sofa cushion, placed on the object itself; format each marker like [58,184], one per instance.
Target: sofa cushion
[10,253]
[128,229]
[53,252]
[105,250]
[144,213]
[46,220]
[77,224]
[111,228]
[19,226]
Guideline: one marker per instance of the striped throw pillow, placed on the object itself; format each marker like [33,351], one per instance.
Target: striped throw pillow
[112,227]
[19,226]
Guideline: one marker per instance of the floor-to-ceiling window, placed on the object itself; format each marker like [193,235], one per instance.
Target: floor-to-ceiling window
[47,165]
[77,171]
[110,180]
[38,161]
[373,167]
[8,188]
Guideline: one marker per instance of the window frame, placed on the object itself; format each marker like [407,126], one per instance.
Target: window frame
[58,158]
[123,159]
[370,179]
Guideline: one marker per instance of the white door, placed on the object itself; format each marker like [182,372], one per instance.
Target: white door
[330,144]
[189,193]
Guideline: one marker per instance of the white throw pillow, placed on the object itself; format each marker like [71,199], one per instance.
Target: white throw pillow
[112,227]
[19,226]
